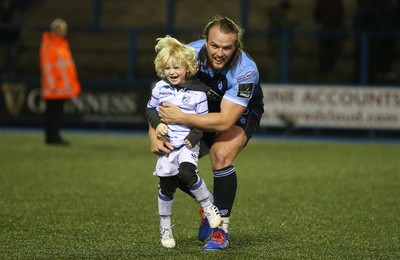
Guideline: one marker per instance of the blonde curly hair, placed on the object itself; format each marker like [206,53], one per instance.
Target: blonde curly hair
[179,53]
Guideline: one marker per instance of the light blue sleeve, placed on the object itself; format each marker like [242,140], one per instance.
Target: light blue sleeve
[242,80]
[197,45]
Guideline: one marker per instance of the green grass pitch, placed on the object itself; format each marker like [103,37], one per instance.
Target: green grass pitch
[97,199]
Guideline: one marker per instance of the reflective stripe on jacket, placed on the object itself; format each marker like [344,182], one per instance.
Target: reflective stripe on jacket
[58,73]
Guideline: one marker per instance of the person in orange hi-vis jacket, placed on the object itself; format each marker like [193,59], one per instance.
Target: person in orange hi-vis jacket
[59,79]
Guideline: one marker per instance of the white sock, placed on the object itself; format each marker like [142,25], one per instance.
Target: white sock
[225,224]
[201,193]
[165,204]
[211,196]
[165,221]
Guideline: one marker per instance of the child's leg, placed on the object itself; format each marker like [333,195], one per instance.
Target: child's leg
[188,175]
[167,187]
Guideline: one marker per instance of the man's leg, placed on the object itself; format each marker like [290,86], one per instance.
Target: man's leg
[53,117]
[50,117]
[223,152]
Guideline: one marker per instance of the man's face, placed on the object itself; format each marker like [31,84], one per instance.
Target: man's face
[61,30]
[220,47]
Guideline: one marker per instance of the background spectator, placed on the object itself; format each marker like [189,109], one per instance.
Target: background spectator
[59,79]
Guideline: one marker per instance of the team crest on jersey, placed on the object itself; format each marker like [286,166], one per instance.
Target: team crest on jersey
[185,100]
[220,86]
[245,90]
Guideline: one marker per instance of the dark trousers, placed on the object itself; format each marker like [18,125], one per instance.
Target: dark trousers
[53,120]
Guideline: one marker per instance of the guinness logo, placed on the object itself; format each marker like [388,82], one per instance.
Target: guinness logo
[14,97]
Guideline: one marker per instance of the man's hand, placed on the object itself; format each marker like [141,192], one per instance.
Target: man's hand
[161,130]
[159,145]
[170,113]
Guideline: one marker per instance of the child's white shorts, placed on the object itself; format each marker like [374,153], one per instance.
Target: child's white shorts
[168,165]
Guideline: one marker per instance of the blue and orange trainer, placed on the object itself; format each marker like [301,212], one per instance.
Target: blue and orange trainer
[219,240]
[205,231]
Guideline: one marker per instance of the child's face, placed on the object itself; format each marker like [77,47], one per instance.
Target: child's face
[175,73]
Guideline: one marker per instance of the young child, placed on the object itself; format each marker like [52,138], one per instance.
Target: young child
[175,64]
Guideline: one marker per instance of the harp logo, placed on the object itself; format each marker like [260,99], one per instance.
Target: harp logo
[14,97]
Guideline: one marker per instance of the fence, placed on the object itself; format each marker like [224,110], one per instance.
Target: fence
[295,60]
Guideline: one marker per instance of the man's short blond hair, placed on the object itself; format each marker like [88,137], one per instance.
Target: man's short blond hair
[58,22]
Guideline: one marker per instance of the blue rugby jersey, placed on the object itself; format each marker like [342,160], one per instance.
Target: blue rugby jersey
[239,84]
[189,101]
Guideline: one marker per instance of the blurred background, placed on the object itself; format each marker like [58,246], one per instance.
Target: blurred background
[302,49]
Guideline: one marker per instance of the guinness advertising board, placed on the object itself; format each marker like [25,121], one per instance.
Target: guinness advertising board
[105,104]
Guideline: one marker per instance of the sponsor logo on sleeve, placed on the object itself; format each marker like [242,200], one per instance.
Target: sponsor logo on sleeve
[245,90]
[246,76]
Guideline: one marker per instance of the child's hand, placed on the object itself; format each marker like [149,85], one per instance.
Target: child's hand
[161,130]
[188,143]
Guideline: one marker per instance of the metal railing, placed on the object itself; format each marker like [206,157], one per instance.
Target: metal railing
[288,72]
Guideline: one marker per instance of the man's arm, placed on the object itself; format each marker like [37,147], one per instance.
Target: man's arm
[211,122]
